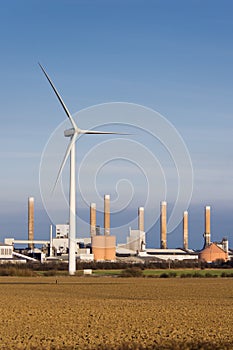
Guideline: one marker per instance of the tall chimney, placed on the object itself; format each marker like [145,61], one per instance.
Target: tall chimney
[185,230]
[163,225]
[141,219]
[93,219]
[107,215]
[30,222]
[207,226]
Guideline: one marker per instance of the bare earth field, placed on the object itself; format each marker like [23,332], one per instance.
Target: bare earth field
[116,313]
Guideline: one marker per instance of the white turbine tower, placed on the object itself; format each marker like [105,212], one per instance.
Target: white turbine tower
[73,133]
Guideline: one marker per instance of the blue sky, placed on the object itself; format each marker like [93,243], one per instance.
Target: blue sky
[172,56]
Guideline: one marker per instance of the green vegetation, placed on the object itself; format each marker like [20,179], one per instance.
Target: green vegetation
[187,273]
[150,273]
[123,270]
[7,270]
[107,272]
[226,274]
[132,272]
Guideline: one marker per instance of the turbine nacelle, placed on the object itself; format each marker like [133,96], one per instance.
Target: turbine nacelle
[76,131]
[69,132]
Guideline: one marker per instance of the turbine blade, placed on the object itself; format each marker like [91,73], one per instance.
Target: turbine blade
[72,142]
[101,132]
[59,98]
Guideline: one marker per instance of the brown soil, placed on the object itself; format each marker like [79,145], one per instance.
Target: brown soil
[115,313]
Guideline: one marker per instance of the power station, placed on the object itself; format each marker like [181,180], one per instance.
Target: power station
[103,247]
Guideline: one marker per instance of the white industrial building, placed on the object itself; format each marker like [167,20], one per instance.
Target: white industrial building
[8,255]
[6,251]
[62,231]
[136,240]
[61,246]
[169,254]
[135,243]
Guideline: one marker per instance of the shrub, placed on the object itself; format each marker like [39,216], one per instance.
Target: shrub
[208,274]
[172,274]
[197,275]
[226,274]
[164,275]
[16,271]
[50,273]
[132,272]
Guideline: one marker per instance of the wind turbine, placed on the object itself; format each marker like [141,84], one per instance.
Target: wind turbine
[73,133]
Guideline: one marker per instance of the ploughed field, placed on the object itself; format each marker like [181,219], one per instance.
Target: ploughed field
[116,313]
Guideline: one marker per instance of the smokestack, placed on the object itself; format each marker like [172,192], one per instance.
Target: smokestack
[141,219]
[207,226]
[163,225]
[107,215]
[31,221]
[185,230]
[93,219]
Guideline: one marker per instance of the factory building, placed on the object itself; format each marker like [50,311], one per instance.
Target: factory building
[8,255]
[103,247]
[60,248]
[6,251]
[62,231]
[213,252]
[169,254]
[136,240]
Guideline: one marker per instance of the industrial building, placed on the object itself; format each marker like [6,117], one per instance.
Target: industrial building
[103,247]
[169,254]
[62,231]
[6,251]
[213,252]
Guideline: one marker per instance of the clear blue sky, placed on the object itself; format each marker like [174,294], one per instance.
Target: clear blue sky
[172,56]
